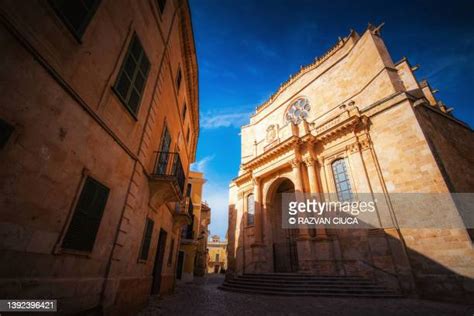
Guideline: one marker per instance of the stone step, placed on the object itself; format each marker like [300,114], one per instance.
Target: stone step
[298,284]
[307,284]
[326,289]
[310,293]
[298,279]
[301,275]
[322,280]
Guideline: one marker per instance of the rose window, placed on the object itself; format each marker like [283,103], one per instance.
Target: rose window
[298,111]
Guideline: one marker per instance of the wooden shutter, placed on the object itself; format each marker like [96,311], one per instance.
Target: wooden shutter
[85,222]
[147,239]
[131,80]
[75,14]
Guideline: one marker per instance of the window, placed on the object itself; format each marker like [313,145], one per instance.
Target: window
[132,77]
[146,239]
[178,79]
[85,222]
[161,5]
[6,131]
[341,179]
[170,257]
[75,14]
[250,209]
[184,110]
[298,111]
[217,257]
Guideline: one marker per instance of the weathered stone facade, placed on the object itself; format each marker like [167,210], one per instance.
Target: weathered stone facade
[59,95]
[392,136]
[191,248]
[217,255]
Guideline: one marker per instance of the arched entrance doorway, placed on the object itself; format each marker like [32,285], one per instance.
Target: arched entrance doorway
[285,255]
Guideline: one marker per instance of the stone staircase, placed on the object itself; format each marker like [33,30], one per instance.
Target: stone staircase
[297,284]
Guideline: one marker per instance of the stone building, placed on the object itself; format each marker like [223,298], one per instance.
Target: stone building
[98,126]
[200,265]
[190,250]
[217,255]
[353,121]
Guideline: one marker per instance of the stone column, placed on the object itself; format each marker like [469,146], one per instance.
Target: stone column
[258,261]
[299,195]
[314,187]
[258,211]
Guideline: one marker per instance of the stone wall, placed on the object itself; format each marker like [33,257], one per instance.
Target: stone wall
[68,123]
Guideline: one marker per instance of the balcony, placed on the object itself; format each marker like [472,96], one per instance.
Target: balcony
[187,231]
[167,178]
[181,215]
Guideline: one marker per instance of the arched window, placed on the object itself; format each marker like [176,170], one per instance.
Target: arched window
[250,209]
[341,179]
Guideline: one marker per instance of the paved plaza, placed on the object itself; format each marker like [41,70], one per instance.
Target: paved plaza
[202,297]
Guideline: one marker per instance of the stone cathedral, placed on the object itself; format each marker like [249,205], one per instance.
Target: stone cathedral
[355,121]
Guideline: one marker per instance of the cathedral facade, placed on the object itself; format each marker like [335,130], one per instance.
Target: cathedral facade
[354,122]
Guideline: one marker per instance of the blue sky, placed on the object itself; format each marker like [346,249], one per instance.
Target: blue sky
[247,48]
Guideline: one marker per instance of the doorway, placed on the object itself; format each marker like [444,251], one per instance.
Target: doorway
[157,269]
[179,268]
[285,255]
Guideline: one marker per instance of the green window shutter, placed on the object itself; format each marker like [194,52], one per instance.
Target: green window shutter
[75,14]
[85,222]
[132,77]
[147,239]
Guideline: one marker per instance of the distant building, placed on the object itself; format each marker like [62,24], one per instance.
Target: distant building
[194,232]
[217,255]
[99,123]
[200,266]
[354,122]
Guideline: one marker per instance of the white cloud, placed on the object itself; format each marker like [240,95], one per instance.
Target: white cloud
[201,165]
[212,120]
[217,196]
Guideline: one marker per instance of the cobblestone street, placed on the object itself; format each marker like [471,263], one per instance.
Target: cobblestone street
[203,298]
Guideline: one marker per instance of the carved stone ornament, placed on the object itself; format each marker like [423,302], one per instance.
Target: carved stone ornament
[298,111]
[271,133]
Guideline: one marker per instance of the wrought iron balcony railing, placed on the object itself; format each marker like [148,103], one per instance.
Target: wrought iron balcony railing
[167,178]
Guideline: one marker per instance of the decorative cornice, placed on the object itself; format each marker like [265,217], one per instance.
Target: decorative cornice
[275,151]
[304,69]
[243,178]
[347,120]
[190,65]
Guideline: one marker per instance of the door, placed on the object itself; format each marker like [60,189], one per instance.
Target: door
[160,254]
[285,254]
[179,268]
